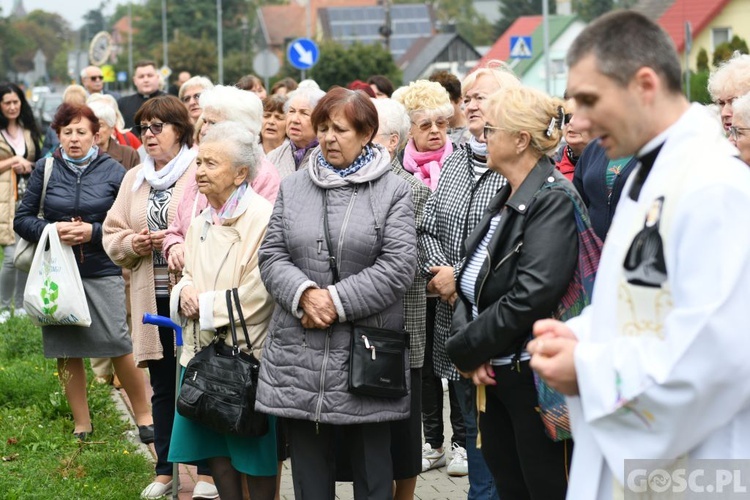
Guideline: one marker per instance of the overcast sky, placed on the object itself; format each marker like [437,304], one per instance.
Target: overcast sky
[72,10]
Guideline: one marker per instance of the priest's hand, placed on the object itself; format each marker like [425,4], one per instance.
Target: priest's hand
[552,355]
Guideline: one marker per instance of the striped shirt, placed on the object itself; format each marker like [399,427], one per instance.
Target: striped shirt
[474,265]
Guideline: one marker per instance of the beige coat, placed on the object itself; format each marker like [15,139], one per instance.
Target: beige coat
[8,192]
[219,258]
[125,219]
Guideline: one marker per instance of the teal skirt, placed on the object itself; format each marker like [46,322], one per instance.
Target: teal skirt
[192,443]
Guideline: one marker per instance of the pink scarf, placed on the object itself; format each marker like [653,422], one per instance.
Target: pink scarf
[426,166]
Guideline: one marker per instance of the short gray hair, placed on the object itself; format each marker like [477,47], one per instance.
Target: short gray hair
[732,77]
[104,112]
[393,119]
[311,94]
[238,142]
[196,81]
[741,108]
[235,105]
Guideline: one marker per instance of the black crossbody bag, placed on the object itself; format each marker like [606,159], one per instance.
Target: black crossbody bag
[220,383]
[377,360]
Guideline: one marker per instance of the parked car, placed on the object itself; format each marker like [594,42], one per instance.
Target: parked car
[45,108]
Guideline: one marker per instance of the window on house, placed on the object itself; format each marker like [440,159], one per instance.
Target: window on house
[720,35]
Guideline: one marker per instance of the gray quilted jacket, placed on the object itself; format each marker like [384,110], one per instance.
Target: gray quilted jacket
[371,218]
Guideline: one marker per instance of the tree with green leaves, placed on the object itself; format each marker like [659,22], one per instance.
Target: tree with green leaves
[340,65]
[588,10]
[510,10]
[701,61]
[39,30]
[725,50]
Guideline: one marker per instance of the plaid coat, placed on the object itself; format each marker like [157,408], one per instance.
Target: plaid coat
[415,300]
[450,215]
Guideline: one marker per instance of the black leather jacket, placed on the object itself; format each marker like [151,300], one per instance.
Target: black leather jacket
[531,260]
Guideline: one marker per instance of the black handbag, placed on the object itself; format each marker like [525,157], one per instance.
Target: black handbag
[218,389]
[377,356]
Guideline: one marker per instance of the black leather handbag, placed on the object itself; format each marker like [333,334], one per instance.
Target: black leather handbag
[377,360]
[220,382]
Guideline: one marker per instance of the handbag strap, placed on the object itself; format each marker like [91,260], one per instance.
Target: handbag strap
[331,256]
[230,314]
[242,317]
[48,166]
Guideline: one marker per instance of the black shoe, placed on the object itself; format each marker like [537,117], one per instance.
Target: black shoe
[146,433]
[84,436]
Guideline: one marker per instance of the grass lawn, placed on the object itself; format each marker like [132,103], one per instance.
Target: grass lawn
[40,457]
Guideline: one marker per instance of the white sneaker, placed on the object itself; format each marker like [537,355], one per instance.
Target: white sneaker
[4,316]
[458,465]
[432,459]
[20,312]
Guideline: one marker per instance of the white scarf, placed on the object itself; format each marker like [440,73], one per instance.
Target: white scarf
[169,174]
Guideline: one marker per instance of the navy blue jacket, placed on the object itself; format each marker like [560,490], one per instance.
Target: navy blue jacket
[590,179]
[88,195]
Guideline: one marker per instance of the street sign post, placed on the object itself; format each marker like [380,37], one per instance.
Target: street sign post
[303,53]
[520,47]
[266,65]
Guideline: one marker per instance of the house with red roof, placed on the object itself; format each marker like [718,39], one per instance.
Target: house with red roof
[712,22]
[563,29]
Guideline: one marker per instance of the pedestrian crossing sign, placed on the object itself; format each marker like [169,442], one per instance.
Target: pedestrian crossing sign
[520,47]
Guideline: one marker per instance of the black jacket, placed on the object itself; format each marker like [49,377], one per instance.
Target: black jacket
[89,196]
[129,106]
[590,179]
[531,260]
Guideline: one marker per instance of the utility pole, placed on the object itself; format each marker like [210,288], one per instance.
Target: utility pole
[164,32]
[220,40]
[130,43]
[547,66]
[386,29]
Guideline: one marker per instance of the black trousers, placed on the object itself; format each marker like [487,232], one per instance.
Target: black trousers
[525,463]
[313,453]
[162,377]
[432,394]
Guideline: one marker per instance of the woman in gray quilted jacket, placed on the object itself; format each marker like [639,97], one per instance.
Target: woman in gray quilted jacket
[306,355]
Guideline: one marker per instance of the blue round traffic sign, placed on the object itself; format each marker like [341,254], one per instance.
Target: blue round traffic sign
[303,53]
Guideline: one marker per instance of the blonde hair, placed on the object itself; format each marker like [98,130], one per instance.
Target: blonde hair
[497,70]
[112,103]
[733,77]
[75,94]
[523,109]
[424,96]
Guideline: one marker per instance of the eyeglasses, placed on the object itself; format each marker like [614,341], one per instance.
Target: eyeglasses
[186,99]
[440,123]
[155,128]
[722,102]
[487,131]
[737,132]
[96,77]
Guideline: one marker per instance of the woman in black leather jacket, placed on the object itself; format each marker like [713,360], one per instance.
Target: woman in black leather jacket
[520,260]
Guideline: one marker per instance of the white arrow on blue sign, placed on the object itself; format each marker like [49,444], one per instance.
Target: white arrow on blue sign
[520,47]
[303,53]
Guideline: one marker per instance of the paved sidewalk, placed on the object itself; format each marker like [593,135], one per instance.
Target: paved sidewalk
[432,485]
